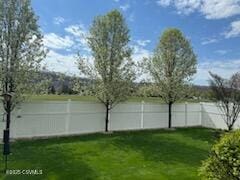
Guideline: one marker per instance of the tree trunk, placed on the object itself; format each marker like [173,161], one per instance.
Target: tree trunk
[106,118]
[8,110]
[169,114]
[229,121]
[230,127]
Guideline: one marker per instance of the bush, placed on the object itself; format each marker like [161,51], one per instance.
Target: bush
[224,160]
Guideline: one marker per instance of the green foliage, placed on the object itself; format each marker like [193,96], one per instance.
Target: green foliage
[21,48]
[113,69]
[43,87]
[224,160]
[147,90]
[52,90]
[172,65]
[82,88]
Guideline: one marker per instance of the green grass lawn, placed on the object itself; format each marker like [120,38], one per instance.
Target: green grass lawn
[61,98]
[94,99]
[149,155]
[87,98]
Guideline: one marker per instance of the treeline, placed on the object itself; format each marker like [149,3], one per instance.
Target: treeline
[60,83]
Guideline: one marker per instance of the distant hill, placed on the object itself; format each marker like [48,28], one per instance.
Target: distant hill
[61,83]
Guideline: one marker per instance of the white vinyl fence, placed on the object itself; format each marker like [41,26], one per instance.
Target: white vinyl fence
[56,118]
[212,117]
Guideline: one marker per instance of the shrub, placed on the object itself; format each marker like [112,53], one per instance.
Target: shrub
[224,160]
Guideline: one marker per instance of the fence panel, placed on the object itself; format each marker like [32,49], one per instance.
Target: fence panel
[193,114]
[213,117]
[155,116]
[51,118]
[86,123]
[179,115]
[33,125]
[125,116]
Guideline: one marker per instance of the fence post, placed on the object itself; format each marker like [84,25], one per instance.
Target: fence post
[67,116]
[186,114]
[109,118]
[200,113]
[142,114]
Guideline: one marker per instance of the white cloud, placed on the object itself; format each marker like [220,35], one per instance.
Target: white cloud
[234,30]
[143,43]
[80,34]
[221,52]
[164,3]
[187,6]
[62,49]
[77,30]
[58,20]
[182,6]
[211,9]
[209,41]
[61,63]
[54,41]
[124,7]
[139,53]
[218,9]
[67,63]
[224,68]
[131,17]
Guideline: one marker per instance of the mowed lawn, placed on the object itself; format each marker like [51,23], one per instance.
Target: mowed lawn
[150,155]
[51,97]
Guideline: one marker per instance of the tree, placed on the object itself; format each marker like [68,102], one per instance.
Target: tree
[43,86]
[61,81]
[52,89]
[226,93]
[80,86]
[21,50]
[65,89]
[172,66]
[112,72]
[147,90]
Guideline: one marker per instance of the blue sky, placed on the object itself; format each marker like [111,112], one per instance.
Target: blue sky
[212,26]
